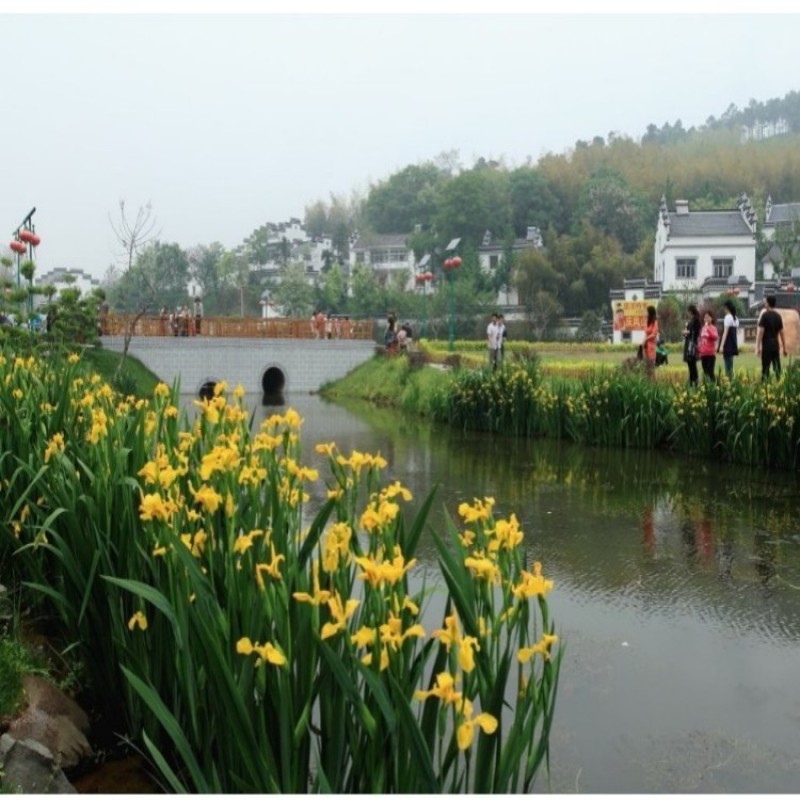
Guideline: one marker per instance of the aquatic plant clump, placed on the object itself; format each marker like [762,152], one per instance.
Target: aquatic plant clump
[255,647]
[744,421]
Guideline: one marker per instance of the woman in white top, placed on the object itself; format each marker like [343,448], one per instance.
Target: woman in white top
[729,343]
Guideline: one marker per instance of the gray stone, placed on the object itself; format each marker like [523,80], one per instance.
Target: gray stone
[54,720]
[29,768]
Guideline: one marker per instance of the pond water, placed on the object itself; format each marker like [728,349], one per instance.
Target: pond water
[677,595]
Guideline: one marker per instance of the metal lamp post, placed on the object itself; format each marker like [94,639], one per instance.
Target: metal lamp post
[25,241]
[422,280]
[450,266]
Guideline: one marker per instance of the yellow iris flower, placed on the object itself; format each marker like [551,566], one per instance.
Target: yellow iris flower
[319,597]
[207,498]
[154,507]
[478,511]
[138,620]
[267,652]
[272,569]
[444,690]
[532,583]
[340,613]
[466,730]
[55,445]
[542,647]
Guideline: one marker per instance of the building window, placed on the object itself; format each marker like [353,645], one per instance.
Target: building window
[723,267]
[398,254]
[360,257]
[378,257]
[686,268]
[493,261]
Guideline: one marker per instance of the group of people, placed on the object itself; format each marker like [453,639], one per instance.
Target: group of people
[702,341]
[181,322]
[329,327]
[495,339]
[397,337]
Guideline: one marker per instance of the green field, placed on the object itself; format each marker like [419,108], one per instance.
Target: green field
[575,360]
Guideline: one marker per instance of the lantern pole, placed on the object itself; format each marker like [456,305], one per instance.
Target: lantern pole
[26,224]
[425,284]
[450,265]
[452,320]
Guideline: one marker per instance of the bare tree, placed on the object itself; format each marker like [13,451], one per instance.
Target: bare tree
[132,235]
[543,311]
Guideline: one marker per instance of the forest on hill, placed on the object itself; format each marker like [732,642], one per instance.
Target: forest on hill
[596,205]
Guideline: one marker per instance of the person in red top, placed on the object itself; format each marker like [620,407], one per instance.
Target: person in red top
[650,338]
[707,346]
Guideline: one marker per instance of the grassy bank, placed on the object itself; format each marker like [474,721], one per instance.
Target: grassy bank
[395,383]
[135,378]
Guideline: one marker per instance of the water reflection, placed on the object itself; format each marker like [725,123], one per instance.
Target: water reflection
[676,592]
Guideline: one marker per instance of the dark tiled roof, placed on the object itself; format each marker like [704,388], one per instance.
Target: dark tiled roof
[785,212]
[374,240]
[58,274]
[498,246]
[708,223]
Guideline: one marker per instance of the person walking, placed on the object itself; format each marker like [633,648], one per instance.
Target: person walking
[707,346]
[769,339]
[691,333]
[493,341]
[390,336]
[649,344]
[729,343]
[501,322]
[198,314]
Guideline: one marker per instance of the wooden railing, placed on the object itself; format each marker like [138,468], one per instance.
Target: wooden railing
[247,328]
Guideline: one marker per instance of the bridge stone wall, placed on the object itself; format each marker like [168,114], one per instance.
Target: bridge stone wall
[305,364]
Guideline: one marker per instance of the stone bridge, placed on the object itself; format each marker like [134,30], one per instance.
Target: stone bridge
[267,366]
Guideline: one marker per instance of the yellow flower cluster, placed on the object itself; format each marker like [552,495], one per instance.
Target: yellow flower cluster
[466,723]
[235,502]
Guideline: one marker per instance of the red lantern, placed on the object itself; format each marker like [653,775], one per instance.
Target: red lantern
[420,278]
[428,276]
[455,262]
[25,235]
[35,240]
[448,264]
[17,247]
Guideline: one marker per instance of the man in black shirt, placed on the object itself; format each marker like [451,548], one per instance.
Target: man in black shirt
[768,335]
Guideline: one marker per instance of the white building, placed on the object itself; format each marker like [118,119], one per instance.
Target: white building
[289,242]
[492,251]
[705,253]
[385,253]
[63,278]
[780,219]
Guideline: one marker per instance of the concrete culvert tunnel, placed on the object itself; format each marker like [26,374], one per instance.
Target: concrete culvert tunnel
[207,390]
[273,381]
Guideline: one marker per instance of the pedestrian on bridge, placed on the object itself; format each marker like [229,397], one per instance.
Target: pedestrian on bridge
[198,314]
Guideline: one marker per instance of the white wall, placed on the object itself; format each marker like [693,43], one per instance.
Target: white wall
[705,249]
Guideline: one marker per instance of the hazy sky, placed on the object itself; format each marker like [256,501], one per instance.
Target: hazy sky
[227,122]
